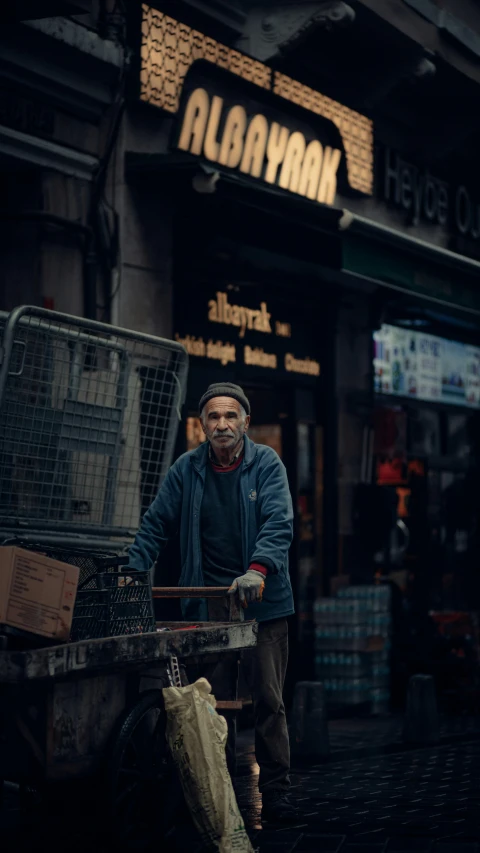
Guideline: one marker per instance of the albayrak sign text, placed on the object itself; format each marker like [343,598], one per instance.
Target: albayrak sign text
[258,146]
[248,321]
[220,311]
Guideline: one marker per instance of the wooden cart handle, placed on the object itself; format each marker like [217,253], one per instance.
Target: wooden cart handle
[190,591]
[235,611]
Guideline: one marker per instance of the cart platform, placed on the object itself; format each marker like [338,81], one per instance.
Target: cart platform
[91,657]
[92,713]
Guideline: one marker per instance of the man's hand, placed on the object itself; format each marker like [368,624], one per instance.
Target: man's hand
[250,587]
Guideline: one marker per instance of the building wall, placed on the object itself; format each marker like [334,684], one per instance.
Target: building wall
[353,392]
[62,251]
[143,300]
[42,263]
[57,82]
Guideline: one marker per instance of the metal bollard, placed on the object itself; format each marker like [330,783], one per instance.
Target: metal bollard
[309,728]
[421,723]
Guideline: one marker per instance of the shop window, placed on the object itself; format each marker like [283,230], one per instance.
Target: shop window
[391,472]
[195,434]
[390,425]
[403,505]
[458,445]
[269,434]
[424,432]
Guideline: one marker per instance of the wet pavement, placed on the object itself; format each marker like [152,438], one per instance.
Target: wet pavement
[391,799]
[353,736]
[372,795]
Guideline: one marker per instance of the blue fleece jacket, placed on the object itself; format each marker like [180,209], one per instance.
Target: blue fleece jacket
[266,522]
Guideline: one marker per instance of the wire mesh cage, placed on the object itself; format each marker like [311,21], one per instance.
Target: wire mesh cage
[88,421]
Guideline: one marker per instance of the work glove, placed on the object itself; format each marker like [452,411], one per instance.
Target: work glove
[250,587]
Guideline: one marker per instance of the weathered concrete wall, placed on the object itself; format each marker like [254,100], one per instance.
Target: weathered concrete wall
[144,291]
[20,280]
[61,253]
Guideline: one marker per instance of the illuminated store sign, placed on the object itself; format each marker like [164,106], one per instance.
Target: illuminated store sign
[285,351]
[260,148]
[252,140]
[425,367]
[220,311]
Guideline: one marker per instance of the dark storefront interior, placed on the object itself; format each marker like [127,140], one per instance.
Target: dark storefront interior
[383,514]
[423,454]
[240,257]
[425,497]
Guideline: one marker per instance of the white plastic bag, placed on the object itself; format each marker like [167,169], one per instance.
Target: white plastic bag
[197,736]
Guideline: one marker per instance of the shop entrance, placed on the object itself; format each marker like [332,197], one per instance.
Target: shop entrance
[285,418]
[426,463]
[249,313]
[428,479]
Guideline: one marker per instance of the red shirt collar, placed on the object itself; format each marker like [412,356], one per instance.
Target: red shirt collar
[234,462]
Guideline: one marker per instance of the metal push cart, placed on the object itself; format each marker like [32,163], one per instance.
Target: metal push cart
[88,421]
[93,711]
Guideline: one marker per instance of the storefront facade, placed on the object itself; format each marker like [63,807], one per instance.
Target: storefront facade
[247,296]
[416,409]
[242,324]
[278,255]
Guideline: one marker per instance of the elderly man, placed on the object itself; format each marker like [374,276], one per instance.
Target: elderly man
[230,502]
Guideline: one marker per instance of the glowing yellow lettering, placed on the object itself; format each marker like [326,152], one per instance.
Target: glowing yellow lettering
[232,139]
[213,311]
[301,365]
[258,358]
[328,181]
[283,330]
[255,145]
[292,163]
[260,149]
[211,147]
[237,315]
[224,353]
[194,346]
[277,143]
[194,122]
[311,169]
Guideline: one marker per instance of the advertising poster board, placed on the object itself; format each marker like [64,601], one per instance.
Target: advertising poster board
[425,367]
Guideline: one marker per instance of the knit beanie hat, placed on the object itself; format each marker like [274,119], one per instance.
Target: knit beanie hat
[225,389]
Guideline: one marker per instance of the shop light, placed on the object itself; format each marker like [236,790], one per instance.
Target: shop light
[205,181]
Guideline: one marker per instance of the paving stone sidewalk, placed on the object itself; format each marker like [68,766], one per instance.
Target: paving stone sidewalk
[372,795]
[414,800]
[370,733]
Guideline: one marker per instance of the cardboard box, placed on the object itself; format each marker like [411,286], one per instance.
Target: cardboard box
[37,594]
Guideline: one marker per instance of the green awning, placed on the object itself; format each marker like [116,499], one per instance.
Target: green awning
[383,256]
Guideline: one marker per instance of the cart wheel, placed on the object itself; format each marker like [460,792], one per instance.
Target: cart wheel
[141,781]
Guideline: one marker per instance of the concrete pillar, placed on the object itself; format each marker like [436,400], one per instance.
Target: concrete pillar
[421,719]
[309,727]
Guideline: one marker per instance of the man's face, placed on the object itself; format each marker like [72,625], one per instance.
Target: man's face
[224,423]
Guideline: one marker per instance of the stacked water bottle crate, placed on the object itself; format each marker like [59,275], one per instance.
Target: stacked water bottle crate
[352,646]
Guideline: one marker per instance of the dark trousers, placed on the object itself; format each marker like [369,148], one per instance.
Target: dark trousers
[264,668]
